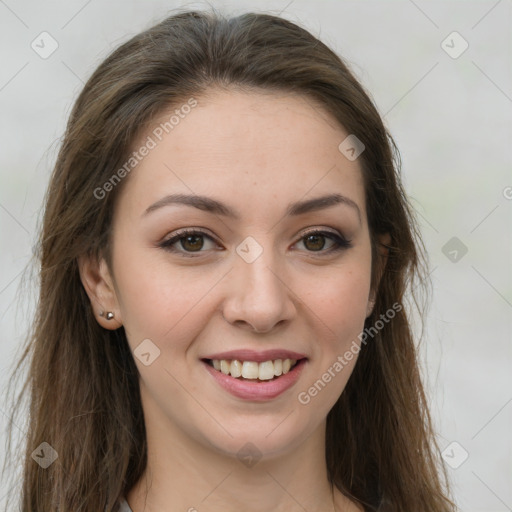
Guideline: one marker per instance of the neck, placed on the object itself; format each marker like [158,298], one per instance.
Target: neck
[183,474]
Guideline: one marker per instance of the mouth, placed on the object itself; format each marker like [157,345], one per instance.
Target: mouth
[252,371]
[255,381]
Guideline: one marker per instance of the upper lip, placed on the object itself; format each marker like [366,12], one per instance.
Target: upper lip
[256,356]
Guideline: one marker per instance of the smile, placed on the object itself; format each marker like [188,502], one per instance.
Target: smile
[253,381]
[252,370]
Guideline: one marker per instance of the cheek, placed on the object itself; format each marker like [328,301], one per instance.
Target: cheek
[342,299]
[158,301]
[340,311]
[339,300]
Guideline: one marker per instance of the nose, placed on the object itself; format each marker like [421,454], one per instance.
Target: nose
[259,297]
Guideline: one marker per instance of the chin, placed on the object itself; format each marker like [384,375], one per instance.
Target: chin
[261,438]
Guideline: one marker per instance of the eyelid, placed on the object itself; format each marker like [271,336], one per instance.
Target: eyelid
[190,231]
[308,231]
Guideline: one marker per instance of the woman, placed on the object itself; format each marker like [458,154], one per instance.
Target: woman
[225,251]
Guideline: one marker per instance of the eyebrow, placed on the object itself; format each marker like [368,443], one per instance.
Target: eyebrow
[211,205]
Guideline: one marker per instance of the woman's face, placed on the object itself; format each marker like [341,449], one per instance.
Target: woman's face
[254,284]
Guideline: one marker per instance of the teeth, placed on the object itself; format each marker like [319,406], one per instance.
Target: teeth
[236,368]
[225,366]
[266,370]
[250,370]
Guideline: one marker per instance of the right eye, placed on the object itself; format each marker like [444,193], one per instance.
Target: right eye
[190,240]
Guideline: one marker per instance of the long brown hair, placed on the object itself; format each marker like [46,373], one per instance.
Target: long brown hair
[83,382]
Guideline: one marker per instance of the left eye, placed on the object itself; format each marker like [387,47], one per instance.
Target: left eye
[191,241]
[316,241]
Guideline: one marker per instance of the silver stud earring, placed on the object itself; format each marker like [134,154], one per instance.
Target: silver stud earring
[110,315]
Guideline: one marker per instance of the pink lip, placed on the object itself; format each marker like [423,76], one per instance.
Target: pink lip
[256,356]
[257,391]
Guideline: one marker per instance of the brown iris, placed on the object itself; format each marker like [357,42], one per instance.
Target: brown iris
[318,241]
[197,245]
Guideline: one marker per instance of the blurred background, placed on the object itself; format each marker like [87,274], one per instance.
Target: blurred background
[440,73]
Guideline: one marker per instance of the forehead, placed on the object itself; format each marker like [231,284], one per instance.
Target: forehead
[248,148]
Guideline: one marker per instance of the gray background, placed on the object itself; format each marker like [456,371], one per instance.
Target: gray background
[451,119]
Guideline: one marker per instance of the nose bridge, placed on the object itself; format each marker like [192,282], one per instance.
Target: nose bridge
[260,275]
[258,295]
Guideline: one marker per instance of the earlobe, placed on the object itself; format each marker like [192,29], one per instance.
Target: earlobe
[99,286]
[370,306]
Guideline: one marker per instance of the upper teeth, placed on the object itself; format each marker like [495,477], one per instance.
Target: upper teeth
[252,370]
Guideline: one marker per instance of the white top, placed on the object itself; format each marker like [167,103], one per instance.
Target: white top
[124,506]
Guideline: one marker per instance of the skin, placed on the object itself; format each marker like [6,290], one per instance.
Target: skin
[256,152]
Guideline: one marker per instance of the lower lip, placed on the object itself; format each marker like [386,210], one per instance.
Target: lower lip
[258,391]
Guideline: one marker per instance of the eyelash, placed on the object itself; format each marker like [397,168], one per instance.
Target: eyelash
[340,243]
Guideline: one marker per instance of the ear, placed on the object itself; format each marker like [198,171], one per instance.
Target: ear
[383,242]
[99,286]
